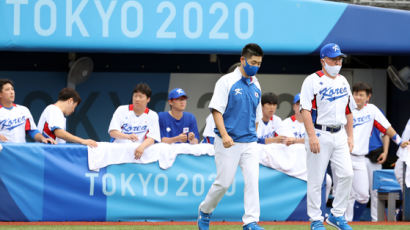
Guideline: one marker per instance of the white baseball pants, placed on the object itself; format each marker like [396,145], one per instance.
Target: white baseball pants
[334,148]
[227,160]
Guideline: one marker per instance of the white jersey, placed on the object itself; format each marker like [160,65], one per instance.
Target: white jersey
[209,130]
[291,127]
[14,122]
[269,129]
[402,152]
[52,118]
[363,122]
[328,99]
[126,121]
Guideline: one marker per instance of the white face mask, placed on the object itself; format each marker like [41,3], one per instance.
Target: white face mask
[332,70]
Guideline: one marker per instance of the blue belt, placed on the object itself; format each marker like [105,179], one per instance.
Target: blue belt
[329,129]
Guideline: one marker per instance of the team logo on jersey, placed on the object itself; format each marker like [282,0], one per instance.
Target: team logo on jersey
[185,130]
[11,124]
[168,129]
[361,120]
[257,94]
[238,91]
[331,94]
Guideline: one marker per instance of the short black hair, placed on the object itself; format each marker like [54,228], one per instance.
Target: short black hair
[270,98]
[4,81]
[361,86]
[68,93]
[143,88]
[252,49]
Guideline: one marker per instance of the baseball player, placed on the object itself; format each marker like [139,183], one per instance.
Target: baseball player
[270,123]
[135,122]
[52,122]
[402,154]
[326,103]
[209,134]
[365,116]
[16,120]
[236,108]
[176,125]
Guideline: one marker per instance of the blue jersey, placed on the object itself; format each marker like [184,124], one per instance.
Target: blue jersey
[171,127]
[238,99]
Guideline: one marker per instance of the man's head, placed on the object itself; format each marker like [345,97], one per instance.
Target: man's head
[141,96]
[7,94]
[361,93]
[177,99]
[331,58]
[296,104]
[269,104]
[71,100]
[251,59]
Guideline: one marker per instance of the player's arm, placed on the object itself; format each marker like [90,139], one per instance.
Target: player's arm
[310,130]
[383,156]
[119,135]
[220,125]
[62,134]
[180,138]
[40,138]
[349,131]
[395,137]
[140,150]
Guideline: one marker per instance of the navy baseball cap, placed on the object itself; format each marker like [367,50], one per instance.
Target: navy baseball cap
[176,93]
[331,50]
[296,98]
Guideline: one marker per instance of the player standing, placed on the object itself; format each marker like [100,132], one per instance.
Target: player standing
[236,106]
[326,104]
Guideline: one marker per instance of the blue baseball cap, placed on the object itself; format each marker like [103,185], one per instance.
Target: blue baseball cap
[331,50]
[296,98]
[176,93]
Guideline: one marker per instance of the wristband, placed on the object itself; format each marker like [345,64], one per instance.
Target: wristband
[397,139]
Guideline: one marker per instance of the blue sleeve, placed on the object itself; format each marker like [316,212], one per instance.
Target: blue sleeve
[162,125]
[194,126]
[32,133]
[261,140]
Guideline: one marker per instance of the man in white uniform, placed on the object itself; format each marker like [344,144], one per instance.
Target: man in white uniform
[135,122]
[52,122]
[270,123]
[16,120]
[365,116]
[403,154]
[236,108]
[326,104]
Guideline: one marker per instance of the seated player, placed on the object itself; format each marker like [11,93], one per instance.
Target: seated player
[16,120]
[269,123]
[135,122]
[176,125]
[52,122]
[292,127]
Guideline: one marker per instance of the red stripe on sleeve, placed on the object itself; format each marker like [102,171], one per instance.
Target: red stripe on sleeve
[314,103]
[48,131]
[379,127]
[28,126]
[348,111]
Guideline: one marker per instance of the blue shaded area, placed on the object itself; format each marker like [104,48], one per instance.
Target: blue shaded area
[371,30]
[21,170]
[300,213]
[9,211]
[67,188]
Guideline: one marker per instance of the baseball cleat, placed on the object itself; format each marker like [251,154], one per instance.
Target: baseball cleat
[338,222]
[252,226]
[317,225]
[203,220]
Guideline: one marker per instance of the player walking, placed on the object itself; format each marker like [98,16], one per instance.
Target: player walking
[326,104]
[236,106]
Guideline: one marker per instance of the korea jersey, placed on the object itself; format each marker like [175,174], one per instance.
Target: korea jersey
[15,122]
[291,127]
[363,122]
[238,99]
[269,129]
[126,121]
[328,99]
[52,118]
[403,152]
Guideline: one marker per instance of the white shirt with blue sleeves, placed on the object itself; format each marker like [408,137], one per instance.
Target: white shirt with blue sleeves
[239,100]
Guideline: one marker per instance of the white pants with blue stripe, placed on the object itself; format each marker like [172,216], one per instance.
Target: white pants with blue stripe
[333,148]
[227,160]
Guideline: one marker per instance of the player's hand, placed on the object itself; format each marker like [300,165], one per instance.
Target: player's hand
[404,144]
[227,141]
[382,158]
[289,141]
[191,136]
[90,143]
[132,137]
[182,137]
[350,143]
[48,141]
[280,139]
[3,138]
[138,152]
[314,144]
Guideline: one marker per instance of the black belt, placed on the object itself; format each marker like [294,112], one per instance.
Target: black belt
[329,129]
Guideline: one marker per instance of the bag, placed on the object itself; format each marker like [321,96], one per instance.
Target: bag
[374,154]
